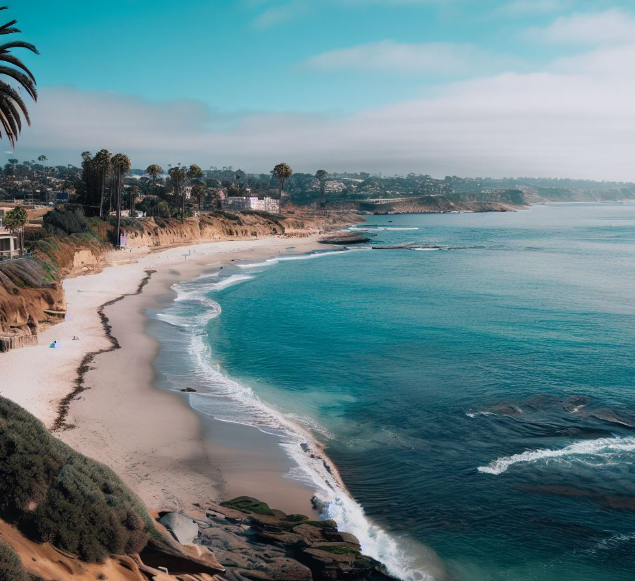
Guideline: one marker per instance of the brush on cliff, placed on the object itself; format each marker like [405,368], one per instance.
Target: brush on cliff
[55,494]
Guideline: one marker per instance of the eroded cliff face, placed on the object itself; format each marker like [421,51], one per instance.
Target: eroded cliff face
[506,201]
[31,294]
[163,232]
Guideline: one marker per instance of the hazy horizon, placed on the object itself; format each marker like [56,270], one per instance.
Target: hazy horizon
[440,87]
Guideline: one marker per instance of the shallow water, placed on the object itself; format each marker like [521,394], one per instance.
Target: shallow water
[478,401]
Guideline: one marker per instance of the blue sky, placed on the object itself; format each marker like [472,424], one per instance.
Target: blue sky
[249,81]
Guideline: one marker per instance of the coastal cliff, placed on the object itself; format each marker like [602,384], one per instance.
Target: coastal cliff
[507,201]
[31,293]
[64,515]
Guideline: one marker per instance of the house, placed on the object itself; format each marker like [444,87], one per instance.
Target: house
[8,245]
[267,204]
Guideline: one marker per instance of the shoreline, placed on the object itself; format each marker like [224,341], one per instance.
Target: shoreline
[174,457]
[161,447]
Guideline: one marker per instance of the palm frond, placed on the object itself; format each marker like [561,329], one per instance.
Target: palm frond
[21,78]
[7,28]
[7,46]
[15,61]
[12,106]
[9,92]
[7,123]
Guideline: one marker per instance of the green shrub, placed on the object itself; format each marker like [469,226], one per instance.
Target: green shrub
[60,496]
[247,504]
[11,568]
[66,220]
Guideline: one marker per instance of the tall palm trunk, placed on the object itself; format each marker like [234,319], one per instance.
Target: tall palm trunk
[103,193]
[113,179]
[182,202]
[118,239]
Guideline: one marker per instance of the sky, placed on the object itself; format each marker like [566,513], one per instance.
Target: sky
[444,87]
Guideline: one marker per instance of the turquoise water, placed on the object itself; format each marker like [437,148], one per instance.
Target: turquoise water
[478,402]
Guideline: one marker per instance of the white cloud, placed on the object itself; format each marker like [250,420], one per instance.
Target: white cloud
[612,26]
[531,7]
[576,120]
[275,15]
[438,58]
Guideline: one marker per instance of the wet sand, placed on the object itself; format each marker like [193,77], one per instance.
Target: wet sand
[169,454]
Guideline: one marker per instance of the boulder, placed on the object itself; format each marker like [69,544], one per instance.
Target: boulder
[280,569]
[341,537]
[182,527]
[338,562]
[309,533]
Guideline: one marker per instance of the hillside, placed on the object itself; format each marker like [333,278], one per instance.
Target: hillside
[31,294]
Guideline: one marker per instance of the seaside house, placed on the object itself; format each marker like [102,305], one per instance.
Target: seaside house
[240,203]
[8,242]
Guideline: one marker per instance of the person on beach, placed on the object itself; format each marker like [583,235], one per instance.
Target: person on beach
[53,345]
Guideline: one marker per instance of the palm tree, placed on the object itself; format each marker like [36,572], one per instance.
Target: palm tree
[153,171]
[321,176]
[198,192]
[178,177]
[134,192]
[121,164]
[12,106]
[15,221]
[283,172]
[102,162]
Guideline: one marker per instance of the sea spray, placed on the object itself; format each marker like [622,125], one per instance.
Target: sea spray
[308,256]
[600,447]
[241,405]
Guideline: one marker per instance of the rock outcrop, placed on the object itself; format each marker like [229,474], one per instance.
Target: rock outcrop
[181,527]
[253,541]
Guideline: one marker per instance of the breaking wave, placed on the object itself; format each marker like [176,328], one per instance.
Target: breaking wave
[310,256]
[601,447]
[237,403]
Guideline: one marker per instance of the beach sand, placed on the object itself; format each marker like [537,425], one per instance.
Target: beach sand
[170,455]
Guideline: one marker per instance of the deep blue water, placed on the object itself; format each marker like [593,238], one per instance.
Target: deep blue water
[511,352]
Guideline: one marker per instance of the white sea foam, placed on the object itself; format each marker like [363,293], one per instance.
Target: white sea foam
[190,296]
[476,414]
[381,228]
[237,403]
[312,255]
[603,447]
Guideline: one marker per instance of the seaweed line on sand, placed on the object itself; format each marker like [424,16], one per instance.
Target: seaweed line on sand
[85,366]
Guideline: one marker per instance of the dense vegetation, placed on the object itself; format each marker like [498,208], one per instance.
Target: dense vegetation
[55,494]
[11,568]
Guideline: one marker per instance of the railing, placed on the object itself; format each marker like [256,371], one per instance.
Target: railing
[13,255]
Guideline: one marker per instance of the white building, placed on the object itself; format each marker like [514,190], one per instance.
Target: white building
[270,205]
[8,242]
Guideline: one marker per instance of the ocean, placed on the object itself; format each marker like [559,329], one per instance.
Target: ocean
[467,410]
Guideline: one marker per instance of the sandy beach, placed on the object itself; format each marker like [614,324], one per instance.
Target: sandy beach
[170,455]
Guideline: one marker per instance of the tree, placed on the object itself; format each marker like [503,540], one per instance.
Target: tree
[134,192]
[154,171]
[121,166]
[283,172]
[102,162]
[198,192]
[321,176]
[178,174]
[15,221]
[194,172]
[12,106]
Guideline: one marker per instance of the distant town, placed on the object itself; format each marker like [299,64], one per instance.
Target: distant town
[154,191]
